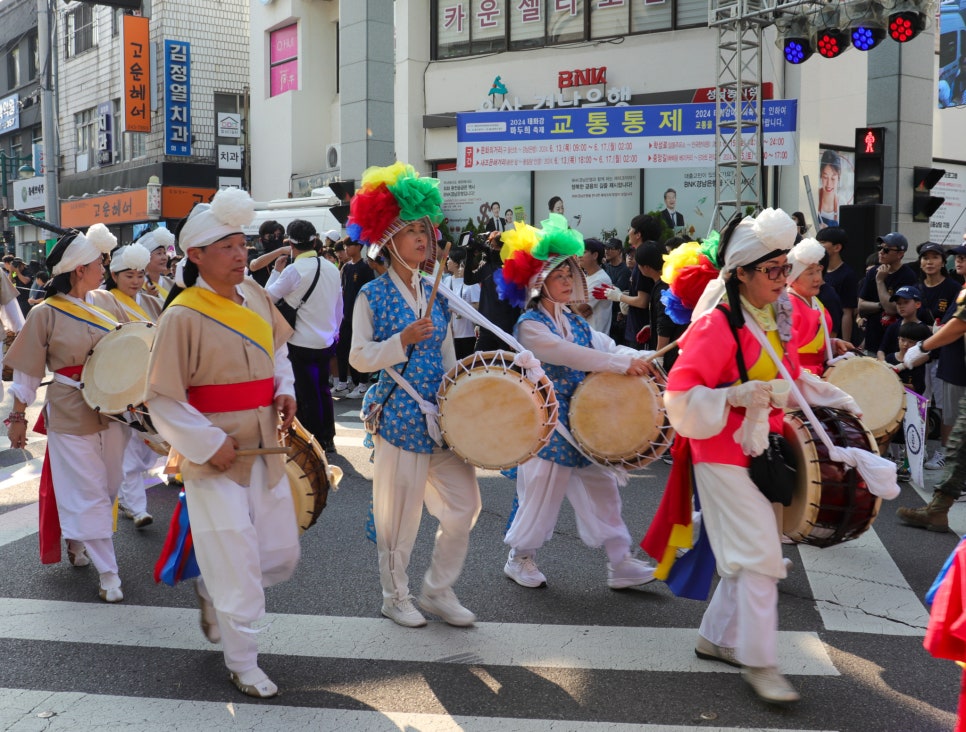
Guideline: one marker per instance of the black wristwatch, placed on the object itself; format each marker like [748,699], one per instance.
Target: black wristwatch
[922,348]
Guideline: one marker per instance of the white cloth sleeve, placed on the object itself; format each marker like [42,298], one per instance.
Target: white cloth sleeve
[367,355]
[24,387]
[284,284]
[284,376]
[186,429]
[551,348]
[819,393]
[12,316]
[698,413]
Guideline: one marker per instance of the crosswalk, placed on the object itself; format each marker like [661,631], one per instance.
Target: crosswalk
[856,588]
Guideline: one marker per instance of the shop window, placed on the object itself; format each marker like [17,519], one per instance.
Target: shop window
[85,124]
[33,57]
[13,68]
[691,13]
[81,34]
[648,16]
[610,18]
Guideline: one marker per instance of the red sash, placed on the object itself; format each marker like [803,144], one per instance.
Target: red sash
[232,397]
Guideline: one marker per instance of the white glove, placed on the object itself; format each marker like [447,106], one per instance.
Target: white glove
[613,294]
[750,395]
[912,355]
[753,433]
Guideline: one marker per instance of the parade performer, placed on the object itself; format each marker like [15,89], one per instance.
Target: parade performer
[218,378]
[394,213]
[124,284]
[84,449]
[721,421]
[542,274]
[810,320]
[156,280]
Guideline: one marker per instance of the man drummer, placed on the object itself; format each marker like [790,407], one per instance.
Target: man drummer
[218,378]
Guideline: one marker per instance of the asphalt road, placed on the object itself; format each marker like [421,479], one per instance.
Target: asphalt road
[573,656]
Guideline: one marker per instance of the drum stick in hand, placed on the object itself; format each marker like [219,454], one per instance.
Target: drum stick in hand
[661,351]
[248,452]
[439,276]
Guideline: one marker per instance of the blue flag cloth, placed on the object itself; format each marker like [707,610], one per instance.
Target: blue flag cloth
[177,561]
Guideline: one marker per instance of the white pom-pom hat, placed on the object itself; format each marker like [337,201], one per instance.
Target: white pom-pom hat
[803,254]
[84,249]
[156,238]
[133,256]
[772,230]
[229,211]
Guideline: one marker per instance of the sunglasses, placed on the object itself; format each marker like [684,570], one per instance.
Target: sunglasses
[776,271]
[887,249]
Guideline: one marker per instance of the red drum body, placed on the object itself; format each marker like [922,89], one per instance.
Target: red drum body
[831,504]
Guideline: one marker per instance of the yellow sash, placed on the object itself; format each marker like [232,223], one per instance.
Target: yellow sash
[131,305]
[764,369]
[246,323]
[94,316]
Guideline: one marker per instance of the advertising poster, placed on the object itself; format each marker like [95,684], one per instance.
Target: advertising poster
[948,224]
[835,185]
[477,197]
[594,201]
[693,196]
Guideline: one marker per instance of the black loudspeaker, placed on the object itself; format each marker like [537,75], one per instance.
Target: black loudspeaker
[863,224]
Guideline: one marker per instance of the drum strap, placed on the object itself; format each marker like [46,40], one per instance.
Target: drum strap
[430,411]
[232,397]
[66,376]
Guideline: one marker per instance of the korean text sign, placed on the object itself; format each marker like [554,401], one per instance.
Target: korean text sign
[652,136]
[177,98]
[136,55]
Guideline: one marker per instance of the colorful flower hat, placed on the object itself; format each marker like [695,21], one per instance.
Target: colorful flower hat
[390,199]
[530,254]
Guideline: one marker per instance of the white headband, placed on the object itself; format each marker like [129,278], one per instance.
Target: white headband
[803,254]
[230,210]
[133,256]
[159,237]
[86,248]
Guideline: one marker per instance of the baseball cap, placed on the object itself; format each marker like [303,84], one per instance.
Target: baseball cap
[907,292]
[961,249]
[893,240]
[929,246]
[594,245]
[333,235]
[614,243]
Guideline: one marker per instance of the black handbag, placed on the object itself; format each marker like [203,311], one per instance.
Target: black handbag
[289,312]
[775,471]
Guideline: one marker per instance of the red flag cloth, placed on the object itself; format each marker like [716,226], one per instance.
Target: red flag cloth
[946,632]
[675,507]
[49,524]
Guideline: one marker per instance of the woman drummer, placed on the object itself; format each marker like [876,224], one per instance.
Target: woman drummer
[84,449]
[811,322]
[124,284]
[707,404]
[541,272]
[393,213]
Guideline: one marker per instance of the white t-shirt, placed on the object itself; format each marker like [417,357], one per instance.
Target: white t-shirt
[463,328]
[602,311]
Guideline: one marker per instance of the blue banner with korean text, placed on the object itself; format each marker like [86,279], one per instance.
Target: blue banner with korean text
[653,136]
[177,98]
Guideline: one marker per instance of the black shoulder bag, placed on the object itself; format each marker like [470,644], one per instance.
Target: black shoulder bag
[291,313]
[775,470]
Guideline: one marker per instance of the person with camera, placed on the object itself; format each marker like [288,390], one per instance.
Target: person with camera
[482,263]
[310,285]
[271,238]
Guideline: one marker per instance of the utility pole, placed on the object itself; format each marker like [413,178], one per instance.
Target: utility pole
[45,50]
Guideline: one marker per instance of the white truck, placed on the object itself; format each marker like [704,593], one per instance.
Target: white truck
[317,208]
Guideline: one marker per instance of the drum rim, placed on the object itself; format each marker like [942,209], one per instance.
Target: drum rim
[301,484]
[89,393]
[888,429]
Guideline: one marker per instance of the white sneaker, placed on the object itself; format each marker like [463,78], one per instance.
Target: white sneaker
[770,685]
[125,511]
[341,389]
[937,461]
[446,605]
[143,519]
[402,612]
[522,569]
[359,392]
[629,572]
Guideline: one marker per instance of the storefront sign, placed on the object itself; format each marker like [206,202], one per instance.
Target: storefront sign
[229,124]
[114,208]
[136,72]
[176,202]
[105,133]
[230,157]
[283,60]
[177,98]
[28,194]
[654,136]
[10,113]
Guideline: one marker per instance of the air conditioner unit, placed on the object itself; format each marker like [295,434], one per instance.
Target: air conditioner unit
[333,157]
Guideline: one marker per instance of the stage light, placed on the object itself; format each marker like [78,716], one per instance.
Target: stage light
[867,24]
[794,39]
[831,38]
[909,18]
[867,37]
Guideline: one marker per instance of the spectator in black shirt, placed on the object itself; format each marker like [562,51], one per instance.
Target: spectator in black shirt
[271,237]
[880,283]
[620,276]
[354,274]
[840,277]
[482,262]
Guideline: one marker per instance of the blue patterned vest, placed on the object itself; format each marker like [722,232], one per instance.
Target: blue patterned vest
[565,381]
[403,424]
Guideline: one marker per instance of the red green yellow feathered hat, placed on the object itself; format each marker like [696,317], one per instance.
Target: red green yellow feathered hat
[530,254]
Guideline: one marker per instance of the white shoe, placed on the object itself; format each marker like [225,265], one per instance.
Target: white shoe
[937,461]
[125,511]
[446,605]
[341,389]
[110,589]
[77,553]
[770,685]
[629,572]
[261,687]
[359,392]
[143,519]
[522,569]
[402,612]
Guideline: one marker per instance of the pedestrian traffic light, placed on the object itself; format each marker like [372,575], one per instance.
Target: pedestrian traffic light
[869,164]
[924,204]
